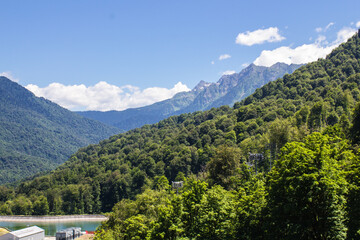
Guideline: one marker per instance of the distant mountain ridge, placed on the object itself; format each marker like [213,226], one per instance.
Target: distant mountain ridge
[37,134]
[228,90]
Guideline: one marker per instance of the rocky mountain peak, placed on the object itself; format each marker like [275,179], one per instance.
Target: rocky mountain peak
[201,85]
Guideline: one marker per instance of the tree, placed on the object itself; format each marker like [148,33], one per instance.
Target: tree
[223,165]
[134,228]
[355,128]
[317,116]
[192,196]
[307,188]
[21,206]
[5,209]
[250,205]
[216,215]
[279,134]
[301,116]
[353,199]
[168,223]
[41,206]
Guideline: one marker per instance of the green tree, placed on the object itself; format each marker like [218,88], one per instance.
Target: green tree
[21,206]
[41,206]
[217,215]
[301,116]
[307,188]
[250,205]
[192,196]
[161,183]
[5,209]
[355,128]
[317,116]
[279,134]
[353,198]
[134,228]
[224,165]
[168,224]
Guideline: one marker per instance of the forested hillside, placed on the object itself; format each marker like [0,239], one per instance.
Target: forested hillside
[38,135]
[305,186]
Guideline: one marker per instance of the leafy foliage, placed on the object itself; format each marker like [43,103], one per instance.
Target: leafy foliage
[307,189]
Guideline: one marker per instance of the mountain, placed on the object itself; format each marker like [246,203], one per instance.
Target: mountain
[228,90]
[235,87]
[38,135]
[317,97]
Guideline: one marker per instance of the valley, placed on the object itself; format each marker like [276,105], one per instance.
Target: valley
[305,126]
[180,120]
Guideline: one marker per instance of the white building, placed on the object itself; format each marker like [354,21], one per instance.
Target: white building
[30,233]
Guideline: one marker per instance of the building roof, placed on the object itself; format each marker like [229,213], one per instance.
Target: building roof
[27,231]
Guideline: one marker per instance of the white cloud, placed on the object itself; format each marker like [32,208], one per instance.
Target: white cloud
[104,96]
[305,53]
[259,36]
[244,65]
[329,25]
[224,56]
[228,72]
[344,34]
[319,29]
[212,62]
[358,24]
[9,76]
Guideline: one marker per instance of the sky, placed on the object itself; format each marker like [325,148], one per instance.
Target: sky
[114,55]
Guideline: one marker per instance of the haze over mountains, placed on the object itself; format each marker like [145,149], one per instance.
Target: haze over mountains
[37,134]
[228,90]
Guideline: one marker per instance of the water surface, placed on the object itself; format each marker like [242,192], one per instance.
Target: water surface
[52,227]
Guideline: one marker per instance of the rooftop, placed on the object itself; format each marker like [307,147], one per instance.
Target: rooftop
[27,231]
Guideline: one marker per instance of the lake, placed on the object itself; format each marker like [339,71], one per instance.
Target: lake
[52,227]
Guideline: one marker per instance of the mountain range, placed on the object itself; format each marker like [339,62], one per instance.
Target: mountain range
[228,90]
[37,134]
[316,98]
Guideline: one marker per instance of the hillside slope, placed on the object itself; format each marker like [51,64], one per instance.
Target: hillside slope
[315,96]
[37,135]
[228,90]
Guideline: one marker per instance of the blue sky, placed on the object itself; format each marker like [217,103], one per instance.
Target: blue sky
[103,55]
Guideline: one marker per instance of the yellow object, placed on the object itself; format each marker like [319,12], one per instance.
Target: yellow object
[3,231]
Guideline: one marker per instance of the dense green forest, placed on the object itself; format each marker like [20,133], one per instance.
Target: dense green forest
[37,135]
[306,186]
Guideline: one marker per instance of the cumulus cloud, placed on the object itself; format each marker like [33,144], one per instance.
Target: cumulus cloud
[305,53]
[212,62]
[259,36]
[358,24]
[104,96]
[224,56]
[228,72]
[344,34]
[9,76]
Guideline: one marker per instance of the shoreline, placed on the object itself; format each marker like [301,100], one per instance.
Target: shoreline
[65,218]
